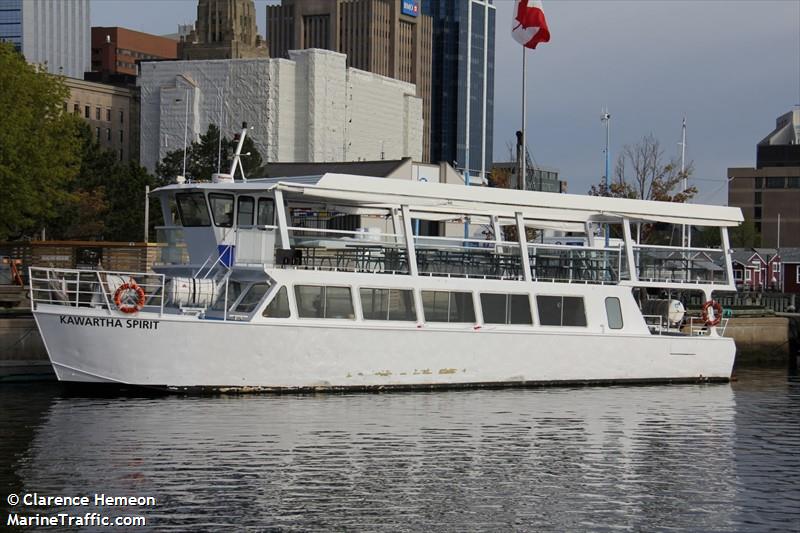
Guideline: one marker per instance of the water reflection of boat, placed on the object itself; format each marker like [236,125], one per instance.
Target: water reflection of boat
[563,459]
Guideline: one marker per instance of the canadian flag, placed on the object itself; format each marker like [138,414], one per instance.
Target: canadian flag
[529,27]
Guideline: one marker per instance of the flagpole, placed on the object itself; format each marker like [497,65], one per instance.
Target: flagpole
[523,170]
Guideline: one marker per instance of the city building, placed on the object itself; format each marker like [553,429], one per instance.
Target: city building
[386,37]
[112,113]
[225,29]
[463,83]
[309,108]
[52,33]
[116,50]
[545,179]
[770,192]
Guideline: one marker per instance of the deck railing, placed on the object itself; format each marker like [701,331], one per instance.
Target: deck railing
[670,264]
[93,289]
[577,264]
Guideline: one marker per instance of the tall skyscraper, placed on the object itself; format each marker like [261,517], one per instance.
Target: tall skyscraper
[53,33]
[225,29]
[463,83]
[386,37]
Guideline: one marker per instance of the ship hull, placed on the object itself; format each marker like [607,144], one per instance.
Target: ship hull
[191,353]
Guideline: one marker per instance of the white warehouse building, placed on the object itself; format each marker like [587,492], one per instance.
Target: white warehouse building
[309,108]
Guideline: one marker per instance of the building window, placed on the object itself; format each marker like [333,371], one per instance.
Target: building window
[748,275]
[108,134]
[776,268]
[758,197]
[793,182]
[97,112]
[757,212]
[87,112]
[76,109]
[444,306]
[121,151]
[97,132]
[776,183]
[388,304]
[121,136]
[506,309]
[324,302]
[797,275]
[121,117]
[279,306]
[561,311]
[759,183]
[108,115]
[737,274]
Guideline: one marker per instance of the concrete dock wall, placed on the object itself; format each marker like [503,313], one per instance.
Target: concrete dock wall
[22,353]
[760,340]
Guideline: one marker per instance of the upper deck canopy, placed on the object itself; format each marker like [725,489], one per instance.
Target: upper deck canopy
[349,190]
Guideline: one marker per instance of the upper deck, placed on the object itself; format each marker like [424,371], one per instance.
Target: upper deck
[351,223]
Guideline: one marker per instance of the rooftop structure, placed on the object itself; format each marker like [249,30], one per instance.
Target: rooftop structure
[52,33]
[225,29]
[311,108]
[117,50]
[387,37]
[771,191]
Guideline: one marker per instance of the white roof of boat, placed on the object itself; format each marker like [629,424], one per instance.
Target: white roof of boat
[346,189]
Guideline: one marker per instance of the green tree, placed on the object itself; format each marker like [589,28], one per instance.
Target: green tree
[202,157]
[39,148]
[745,235]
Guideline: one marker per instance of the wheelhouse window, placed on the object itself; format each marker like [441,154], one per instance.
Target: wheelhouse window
[561,311]
[192,209]
[251,298]
[506,309]
[245,214]
[266,212]
[388,304]
[446,306]
[614,313]
[222,209]
[279,306]
[324,302]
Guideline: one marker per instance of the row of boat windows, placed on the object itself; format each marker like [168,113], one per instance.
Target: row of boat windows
[194,212]
[333,302]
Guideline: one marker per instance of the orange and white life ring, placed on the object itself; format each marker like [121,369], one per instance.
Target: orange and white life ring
[129,297]
[709,319]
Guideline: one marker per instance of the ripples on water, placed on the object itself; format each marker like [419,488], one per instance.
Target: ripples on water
[694,457]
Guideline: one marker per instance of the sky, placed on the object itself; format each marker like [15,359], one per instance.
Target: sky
[731,67]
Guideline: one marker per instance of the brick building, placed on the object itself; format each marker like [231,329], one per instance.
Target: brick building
[116,50]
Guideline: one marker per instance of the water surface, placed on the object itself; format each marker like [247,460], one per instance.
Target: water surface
[667,458]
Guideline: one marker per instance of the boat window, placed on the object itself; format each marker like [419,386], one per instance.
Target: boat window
[324,302]
[388,304]
[561,311]
[445,306]
[251,298]
[279,306]
[222,209]
[247,205]
[506,309]
[266,212]
[192,209]
[614,313]
[234,290]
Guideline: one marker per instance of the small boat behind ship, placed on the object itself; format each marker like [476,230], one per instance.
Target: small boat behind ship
[324,282]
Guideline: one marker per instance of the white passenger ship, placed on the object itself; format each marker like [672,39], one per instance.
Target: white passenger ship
[256,289]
